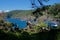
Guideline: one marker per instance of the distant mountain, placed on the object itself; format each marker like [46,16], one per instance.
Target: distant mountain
[18,13]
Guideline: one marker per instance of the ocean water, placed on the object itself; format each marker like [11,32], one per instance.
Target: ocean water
[23,23]
[51,24]
[20,23]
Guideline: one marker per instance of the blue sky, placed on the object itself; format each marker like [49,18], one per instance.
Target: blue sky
[20,4]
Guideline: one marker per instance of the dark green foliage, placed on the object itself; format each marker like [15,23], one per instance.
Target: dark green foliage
[55,9]
[1,21]
[7,36]
[40,36]
[51,35]
[12,36]
[25,36]
[37,13]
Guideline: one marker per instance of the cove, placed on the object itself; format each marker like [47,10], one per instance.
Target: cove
[20,23]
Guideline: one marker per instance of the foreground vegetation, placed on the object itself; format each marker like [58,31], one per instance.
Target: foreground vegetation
[51,35]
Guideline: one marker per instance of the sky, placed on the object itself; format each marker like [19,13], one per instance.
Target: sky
[20,4]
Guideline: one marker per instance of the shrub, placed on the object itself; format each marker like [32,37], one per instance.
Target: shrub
[42,24]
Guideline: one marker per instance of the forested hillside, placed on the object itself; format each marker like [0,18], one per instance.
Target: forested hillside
[19,13]
[50,10]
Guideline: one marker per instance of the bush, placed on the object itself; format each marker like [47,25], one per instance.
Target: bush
[42,24]
[1,21]
[8,24]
